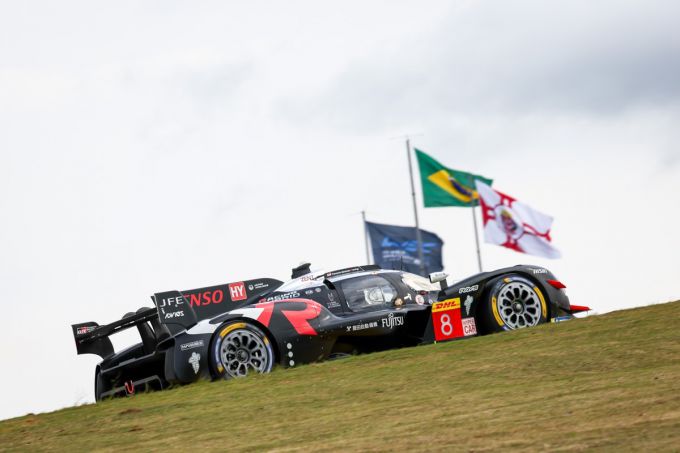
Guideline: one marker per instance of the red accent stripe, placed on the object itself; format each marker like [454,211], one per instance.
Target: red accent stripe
[556,284]
[299,318]
[266,315]
[579,308]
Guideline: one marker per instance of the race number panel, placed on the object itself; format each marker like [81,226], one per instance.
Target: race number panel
[446,320]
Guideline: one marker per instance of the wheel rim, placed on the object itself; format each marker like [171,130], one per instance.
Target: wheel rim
[243,350]
[519,305]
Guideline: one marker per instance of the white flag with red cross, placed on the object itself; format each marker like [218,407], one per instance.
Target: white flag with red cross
[513,224]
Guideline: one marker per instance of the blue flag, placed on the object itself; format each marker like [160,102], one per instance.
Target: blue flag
[396,247]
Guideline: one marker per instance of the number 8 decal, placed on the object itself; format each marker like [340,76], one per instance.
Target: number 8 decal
[446,327]
[446,319]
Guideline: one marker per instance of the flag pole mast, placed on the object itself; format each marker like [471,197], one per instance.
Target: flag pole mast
[368,257]
[474,221]
[419,239]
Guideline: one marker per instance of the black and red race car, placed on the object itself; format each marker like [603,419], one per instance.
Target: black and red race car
[245,327]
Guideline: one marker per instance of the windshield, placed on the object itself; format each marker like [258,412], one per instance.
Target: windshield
[368,292]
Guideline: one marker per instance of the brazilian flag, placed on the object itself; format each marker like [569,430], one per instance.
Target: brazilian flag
[446,187]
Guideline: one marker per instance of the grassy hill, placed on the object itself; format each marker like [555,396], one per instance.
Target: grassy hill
[609,383]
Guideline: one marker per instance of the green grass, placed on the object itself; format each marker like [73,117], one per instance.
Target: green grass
[609,382]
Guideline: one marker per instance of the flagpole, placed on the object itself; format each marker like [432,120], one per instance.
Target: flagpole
[368,257]
[474,221]
[419,239]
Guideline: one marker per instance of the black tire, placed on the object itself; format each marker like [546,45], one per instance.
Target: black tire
[240,348]
[513,302]
[100,386]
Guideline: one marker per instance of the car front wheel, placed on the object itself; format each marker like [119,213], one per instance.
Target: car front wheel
[514,302]
[240,348]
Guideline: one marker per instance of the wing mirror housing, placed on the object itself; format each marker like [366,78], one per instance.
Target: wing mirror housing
[439,277]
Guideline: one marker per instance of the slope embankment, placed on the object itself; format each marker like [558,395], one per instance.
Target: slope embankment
[607,382]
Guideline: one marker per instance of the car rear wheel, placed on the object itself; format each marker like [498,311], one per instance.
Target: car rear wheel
[239,349]
[514,302]
[98,385]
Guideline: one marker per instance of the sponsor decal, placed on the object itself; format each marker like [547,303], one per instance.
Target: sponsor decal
[206,297]
[237,291]
[407,296]
[194,361]
[174,314]
[258,285]
[392,321]
[332,303]
[318,290]
[468,304]
[171,302]
[468,289]
[445,305]
[469,326]
[420,300]
[446,319]
[540,271]
[290,295]
[129,387]
[191,345]
[561,319]
[85,329]
[309,292]
[364,326]
[349,270]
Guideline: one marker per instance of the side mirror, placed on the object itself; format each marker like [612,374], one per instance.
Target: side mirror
[439,277]
[436,277]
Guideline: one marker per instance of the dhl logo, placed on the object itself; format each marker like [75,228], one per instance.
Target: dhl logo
[445,305]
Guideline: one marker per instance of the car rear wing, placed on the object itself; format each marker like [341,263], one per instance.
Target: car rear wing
[91,338]
[175,311]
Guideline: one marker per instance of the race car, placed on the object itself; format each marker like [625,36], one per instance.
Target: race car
[245,327]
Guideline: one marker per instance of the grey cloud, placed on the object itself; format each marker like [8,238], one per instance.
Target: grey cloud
[512,58]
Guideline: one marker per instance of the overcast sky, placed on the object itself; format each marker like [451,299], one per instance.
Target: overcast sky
[150,146]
